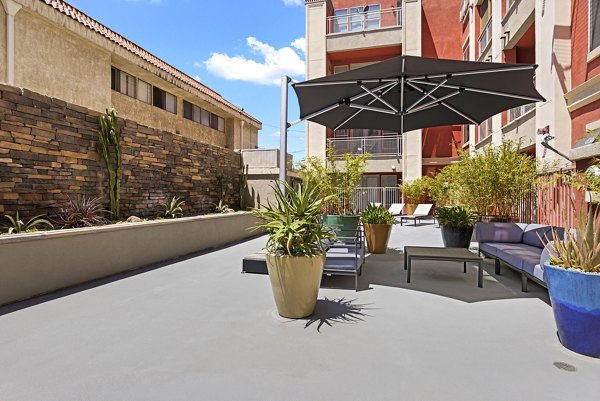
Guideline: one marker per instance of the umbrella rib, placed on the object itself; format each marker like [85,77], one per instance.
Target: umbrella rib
[378,97]
[475,72]
[434,102]
[402,97]
[446,105]
[371,108]
[425,95]
[484,91]
[389,88]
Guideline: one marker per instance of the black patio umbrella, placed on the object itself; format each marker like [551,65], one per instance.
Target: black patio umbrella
[408,92]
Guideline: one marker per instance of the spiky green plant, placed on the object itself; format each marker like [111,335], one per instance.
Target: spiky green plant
[580,248]
[294,223]
[377,215]
[221,207]
[455,216]
[173,208]
[18,226]
[109,141]
[243,187]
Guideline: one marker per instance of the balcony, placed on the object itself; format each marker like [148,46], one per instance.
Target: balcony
[485,39]
[464,10]
[375,146]
[359,30]
[517,112]
[521,125]
[520,14]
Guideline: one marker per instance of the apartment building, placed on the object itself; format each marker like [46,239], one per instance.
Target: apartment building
[346,34]
[50,47]
[583,98]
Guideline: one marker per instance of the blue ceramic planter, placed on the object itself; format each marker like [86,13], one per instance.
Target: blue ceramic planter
[575,300]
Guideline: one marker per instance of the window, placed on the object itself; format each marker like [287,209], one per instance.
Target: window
[122,82]
[340,20]
[340,68]
[594,9]
[199,115]
[373,16]
[356,19]
[164,100]
[217,122]
[466,51]
[144,91]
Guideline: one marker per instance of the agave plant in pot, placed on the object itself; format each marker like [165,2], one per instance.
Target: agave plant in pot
[572,274]
[457,224]
[378,225]
[296,247]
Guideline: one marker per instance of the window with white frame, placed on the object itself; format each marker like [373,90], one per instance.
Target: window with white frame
[594,22]
[340,20]
[144,91]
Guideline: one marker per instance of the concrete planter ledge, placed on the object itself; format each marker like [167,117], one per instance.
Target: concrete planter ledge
[37,263]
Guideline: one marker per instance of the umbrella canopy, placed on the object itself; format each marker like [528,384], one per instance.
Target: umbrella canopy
[407,92]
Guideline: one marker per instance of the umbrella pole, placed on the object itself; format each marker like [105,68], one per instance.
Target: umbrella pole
[285,80]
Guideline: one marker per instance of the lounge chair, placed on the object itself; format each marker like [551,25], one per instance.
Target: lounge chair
[396,209]
[376,204]
[421,213]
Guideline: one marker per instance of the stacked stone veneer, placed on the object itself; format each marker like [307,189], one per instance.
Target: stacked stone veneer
[48,154]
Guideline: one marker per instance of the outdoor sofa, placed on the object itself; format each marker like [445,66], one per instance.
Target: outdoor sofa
[518,246]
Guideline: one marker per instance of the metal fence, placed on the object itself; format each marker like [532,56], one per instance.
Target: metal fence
[384,195]
[358,20]
[382,145]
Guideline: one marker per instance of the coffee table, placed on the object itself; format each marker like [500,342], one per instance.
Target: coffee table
[441,254]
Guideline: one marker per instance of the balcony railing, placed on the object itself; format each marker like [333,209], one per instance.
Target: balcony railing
[485,129]
[464,8]
[486,37]
[379,146]
[384,195]
[517,112]
[364,21]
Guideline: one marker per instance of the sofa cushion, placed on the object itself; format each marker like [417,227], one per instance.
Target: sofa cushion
[530,255]
[488,248]
[499,232]
[538,235]
[521,256]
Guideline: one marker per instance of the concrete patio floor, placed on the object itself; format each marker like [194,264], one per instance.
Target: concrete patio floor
[199,329]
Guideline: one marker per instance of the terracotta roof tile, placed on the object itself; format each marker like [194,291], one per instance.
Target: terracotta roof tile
[108,33]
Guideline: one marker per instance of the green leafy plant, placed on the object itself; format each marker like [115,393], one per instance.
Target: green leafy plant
[580,248]
[18,226]
[109,147]
[81,212]
[455,216]
[172,208]
[336,177]
[223,208]
[414,191]
[294,223]
[377,215]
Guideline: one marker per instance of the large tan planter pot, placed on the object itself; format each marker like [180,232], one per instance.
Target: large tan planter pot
[378,236]
[410,208]
[295,281]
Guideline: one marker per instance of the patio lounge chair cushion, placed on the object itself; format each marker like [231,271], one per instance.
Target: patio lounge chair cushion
[539,234]
[396,209]
[499,232]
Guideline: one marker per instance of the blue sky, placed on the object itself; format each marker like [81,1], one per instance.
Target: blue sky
[239,48]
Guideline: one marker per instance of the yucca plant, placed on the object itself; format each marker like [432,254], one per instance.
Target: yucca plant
[221,207]
[18,226]
[81,212]
[580,248]
[294,222]
[173,208]
[455,216]
[377,215]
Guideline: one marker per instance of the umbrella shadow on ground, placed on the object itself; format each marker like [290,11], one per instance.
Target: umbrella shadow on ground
[446,278]
[329,312]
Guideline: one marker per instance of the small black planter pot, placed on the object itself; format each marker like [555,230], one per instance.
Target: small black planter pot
[455,237]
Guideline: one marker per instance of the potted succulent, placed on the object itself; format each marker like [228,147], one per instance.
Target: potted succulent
[413,193]
[457,224]
[337,178]
[296,247]
[572,274]
[378,225]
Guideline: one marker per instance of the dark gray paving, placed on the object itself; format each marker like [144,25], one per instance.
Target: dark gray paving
[198,329]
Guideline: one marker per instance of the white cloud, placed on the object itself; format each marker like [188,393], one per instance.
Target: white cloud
[196,77]
[275,64]
[276,134]
[293,2]
[300,44]
[149,1]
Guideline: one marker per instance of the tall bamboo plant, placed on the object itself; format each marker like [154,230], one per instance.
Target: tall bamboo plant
[109,148]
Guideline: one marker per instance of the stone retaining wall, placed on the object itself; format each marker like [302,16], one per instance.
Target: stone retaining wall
[48,154]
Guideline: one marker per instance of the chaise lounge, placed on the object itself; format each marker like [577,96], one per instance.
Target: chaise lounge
[421,213]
